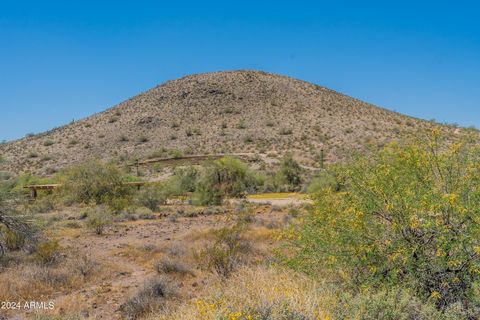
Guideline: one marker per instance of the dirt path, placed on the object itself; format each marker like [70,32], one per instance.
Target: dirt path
[118,250]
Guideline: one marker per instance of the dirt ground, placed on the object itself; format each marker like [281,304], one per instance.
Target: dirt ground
[125,255]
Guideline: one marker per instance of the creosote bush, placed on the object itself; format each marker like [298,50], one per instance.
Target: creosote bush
[405,217]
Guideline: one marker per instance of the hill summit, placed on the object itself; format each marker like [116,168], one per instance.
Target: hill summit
[220,112]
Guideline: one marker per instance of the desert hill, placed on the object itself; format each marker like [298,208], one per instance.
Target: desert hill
[222,112]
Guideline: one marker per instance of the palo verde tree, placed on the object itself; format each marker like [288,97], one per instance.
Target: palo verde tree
[409,216]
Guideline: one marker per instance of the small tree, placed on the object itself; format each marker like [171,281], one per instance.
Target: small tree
[408,216]
[226,177]
[95,182]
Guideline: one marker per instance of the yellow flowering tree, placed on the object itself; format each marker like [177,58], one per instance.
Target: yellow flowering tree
[407,216]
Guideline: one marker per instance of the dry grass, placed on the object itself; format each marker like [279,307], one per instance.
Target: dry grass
[32,281]
[255,291]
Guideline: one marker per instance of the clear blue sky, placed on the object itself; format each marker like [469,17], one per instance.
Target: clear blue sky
[64,60]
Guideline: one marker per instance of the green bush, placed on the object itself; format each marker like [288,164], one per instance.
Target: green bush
[183,181]
[226,253]
[407,216]
[290,174]
[322,181]
[95,183]
[47,252]
[13,240]
[225,177]
[98,220]
[392,304]
[151,196]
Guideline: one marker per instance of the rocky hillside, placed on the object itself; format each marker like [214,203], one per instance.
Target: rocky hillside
[223,112]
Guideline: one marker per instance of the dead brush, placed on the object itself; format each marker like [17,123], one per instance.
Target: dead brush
[150,298]
[169,266]
[227,252]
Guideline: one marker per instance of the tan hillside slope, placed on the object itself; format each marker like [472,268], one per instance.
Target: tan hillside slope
[222,112]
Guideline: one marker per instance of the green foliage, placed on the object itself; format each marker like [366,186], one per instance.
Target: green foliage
[47,252]
[321,181]
[392,304]
[184,180]
[13,240]
[98,220]
[226,252]
[29,179]
[97,183]
[290,174]
[151,196]
[408,216]
[225,177]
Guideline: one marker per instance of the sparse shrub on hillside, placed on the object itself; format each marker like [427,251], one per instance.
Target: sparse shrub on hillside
[123,138]
[48,143]
[175,153]
[286,131]
[32,154]
[95,182]
[142,139]
[406,217]
[226,177]
[241,124]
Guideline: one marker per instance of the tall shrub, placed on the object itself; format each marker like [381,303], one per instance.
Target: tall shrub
[95,182]
[408,216]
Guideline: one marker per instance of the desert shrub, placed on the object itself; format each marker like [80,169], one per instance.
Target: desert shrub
[98,220]
[47,252]
[285,131]
[392,304]
[227,252]
[151,196]
[226,177]
[42,204]
[95,182]
[184,180]
[142,139]
[290,173]
[14,231]
[322,181]
[48,143]
[13,240]
[84,265]
[168,266]
[149,299]
[407,216]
